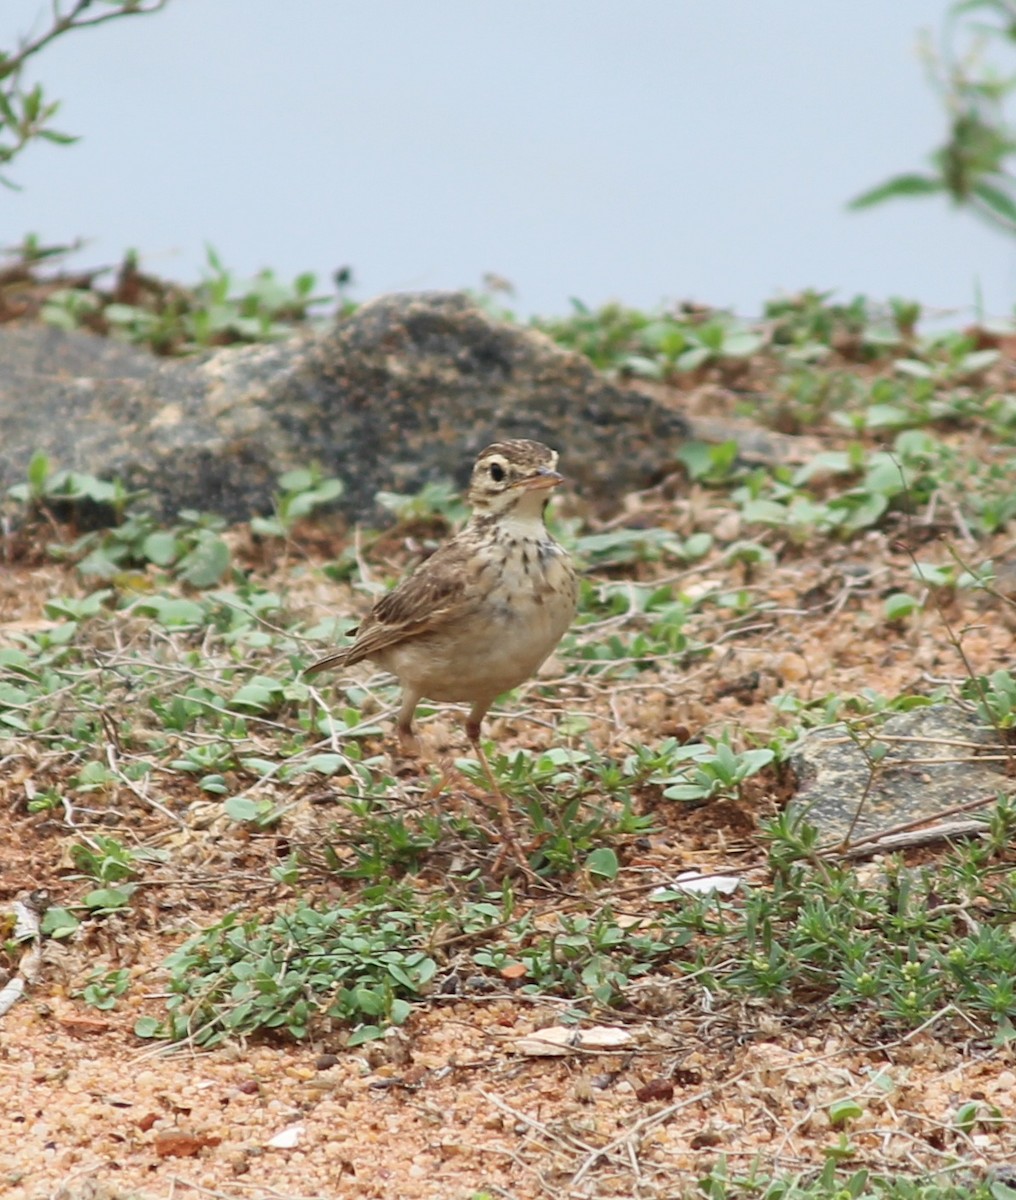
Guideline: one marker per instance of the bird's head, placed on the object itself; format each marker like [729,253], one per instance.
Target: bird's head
[513,477]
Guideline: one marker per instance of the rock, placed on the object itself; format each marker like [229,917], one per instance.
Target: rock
[403,392]
[929,767]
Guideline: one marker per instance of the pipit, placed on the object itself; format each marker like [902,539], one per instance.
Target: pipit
[480,615]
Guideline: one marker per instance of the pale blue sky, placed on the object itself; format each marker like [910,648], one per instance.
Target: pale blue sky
[643,150]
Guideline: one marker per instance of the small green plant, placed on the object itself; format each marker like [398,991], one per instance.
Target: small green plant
[810,320]
[193,550]
[300,493]
[302,971]
[211,761]
[593,958]
[46,488]
[838,1180]
[605,336]
[669,347]
[436,501]
[172,320]
[25,113]
[879,485]
[655,346]
[948,358]
[975,164]
[621,547]
[697,771]
[973,1115]
[900,605]
[995,696]
[386,844]
[104,988]
[105,860]
[842,1112]
[893,946]
[559,789]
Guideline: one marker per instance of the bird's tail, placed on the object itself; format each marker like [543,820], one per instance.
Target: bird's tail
[338,659]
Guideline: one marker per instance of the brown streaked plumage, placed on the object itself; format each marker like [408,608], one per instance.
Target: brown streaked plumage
[480,615]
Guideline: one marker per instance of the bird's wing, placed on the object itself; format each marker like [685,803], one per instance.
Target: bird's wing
[434,595]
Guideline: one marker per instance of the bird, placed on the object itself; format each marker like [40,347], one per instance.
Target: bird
[485,610]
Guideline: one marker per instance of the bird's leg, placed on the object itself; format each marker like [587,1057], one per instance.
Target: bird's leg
[509,841]
[409,743]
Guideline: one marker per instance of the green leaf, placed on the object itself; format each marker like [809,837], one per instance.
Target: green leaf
[933,574]
[697,545]
[61,139]
[298,480]
[325,764]
[31,104]
[241,808]
[171,611]
[306,502]
[977,361]
[966,1116]
[843,1111]
[696,457]
[38,472]
[752,761]
[900,605]
[366,1033]
[267,527]
[864,512]
[885,415]
[147,1027]
[368,1001]
[160,548]
[58,922]
[603,862]
[692,359]
[998,202]
[400,1010]
[256,696]
[829,462]
[900,185]
[108,898]
[741,343]
[259,766]
[764,511]
[400,975]
[206,564]
[645,368]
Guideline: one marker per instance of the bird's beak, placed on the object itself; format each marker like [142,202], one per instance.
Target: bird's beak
[543,477]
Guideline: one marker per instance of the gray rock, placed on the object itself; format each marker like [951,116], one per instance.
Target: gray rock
[930,766]
[403,392]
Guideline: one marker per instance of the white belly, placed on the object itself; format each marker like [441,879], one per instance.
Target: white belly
[499,643]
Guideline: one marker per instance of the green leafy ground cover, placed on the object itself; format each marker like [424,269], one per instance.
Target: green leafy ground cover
[169,775]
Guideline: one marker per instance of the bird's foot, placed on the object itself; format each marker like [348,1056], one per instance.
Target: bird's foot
[409,744]
[512,859]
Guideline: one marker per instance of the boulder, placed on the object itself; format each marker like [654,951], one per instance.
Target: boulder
[931,760]
[403,392]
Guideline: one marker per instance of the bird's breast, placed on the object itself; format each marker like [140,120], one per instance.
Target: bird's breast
[525,599]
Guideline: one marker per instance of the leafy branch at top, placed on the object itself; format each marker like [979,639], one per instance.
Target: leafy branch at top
[25,113]
[976,165]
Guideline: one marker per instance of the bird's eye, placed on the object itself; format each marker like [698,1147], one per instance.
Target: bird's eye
[496,472]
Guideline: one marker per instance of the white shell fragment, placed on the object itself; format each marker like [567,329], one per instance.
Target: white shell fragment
[567,1039]
[696,883]
[288,1138]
